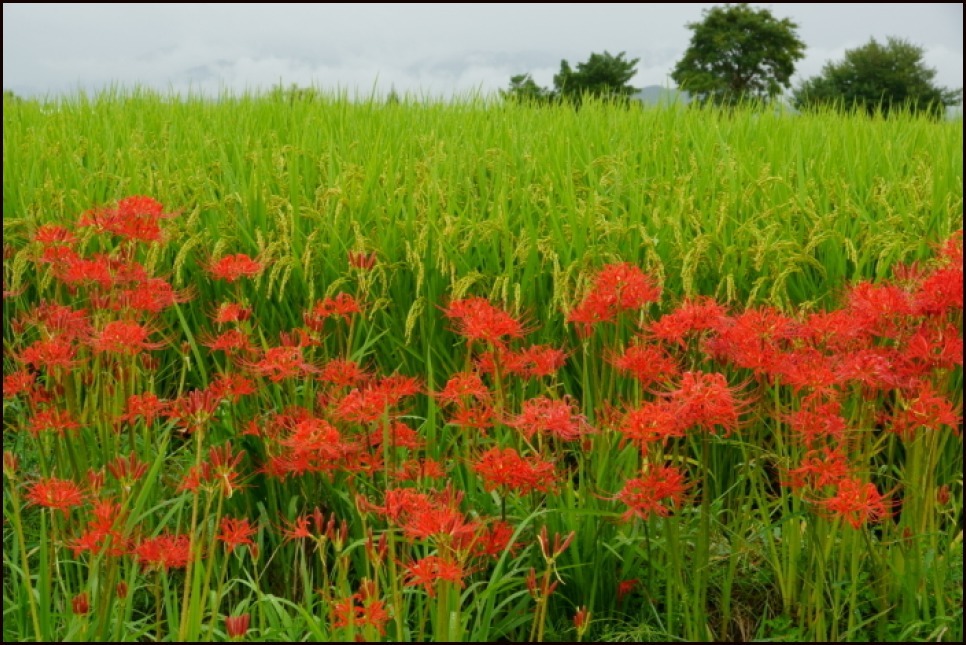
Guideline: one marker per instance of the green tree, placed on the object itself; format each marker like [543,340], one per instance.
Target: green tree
[602,75]
[524,89]
[739,53]
[878,77]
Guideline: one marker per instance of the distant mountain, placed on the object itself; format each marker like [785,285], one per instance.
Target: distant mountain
[658,95]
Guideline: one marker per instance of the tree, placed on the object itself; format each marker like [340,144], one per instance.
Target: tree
[603,75]
[877,77]
[739,53]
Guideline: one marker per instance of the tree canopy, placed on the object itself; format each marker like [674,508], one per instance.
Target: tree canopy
[738,53]
[877,77]
[602,75]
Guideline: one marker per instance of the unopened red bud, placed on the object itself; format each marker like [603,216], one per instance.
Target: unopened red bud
[237,626]
[121,590]
[80,605]
[942,495]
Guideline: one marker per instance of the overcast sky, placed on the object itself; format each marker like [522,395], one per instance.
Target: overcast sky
[432,50]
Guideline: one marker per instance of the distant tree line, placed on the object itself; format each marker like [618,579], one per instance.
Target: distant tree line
[739,54]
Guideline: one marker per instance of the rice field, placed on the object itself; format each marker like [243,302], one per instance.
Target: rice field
[295,367]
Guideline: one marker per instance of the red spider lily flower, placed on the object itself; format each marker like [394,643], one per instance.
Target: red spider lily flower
[876,369]
[134,218]
[936,345]
[806,368]
[127,470]
[17,383]
[506,468]
[123,337]
[100,536]
[616,288]
[880,309]
[704,400]
[653,422]
[52,420]
[237,626]
[582,621]
[818,418]
[146,406]
[231,312]
[342,372]
[856,502]
[535,361]
[54,493]
[232,387]
[626,587]
[234,267]
[648,364]
[555,417]
[56,352]
[80,605]
[476,319]
[153,295]
[372,402]
[60,320]
[233,341]
[431,570]
[463,387]
[192,411]
[752,339]
[361,610]
[400,436]
[656,492]
[361,260]
[48,234]
[479,417]
[342,305]
[437,521]
[929,410]
[941,291]
[820,468]
[298,529]
[166,551]
[237,532]
[493,540]
[691,317]
[280,363]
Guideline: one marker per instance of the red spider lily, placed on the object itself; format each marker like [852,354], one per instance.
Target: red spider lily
[232,387]
[690,317]
[231,312]
[316,440]
[146,406]
[936,345]
[51,420]
[123,337]
[704,400]
[493,540]
[153,295]
[280,363]
[218,473]
[463,387]
[656,492]
[506,468]
[929,410]
[626,587]
[232,341]
[820,468]
[648,364]
[80,605]
[48,234]
[234,267]
[371,402]
[856,502]
[534,362]
[555,417]
[342,372]
[437,521]
[582,621]
[479,417]
[400,436]
[361,610]
[806,368]
[127,470]
[419,469]
[818,418]
[192,411]
[361,260]
[653,422]
[17,383]
[431,570]
[752,339]
[237,626]
[880,309]
[100,536]
[476,319]
[941,291]
[56,494]
[342,305]
[876,369]
[60,321]
[166,551]
[54,353]
[237,532]
[616,288]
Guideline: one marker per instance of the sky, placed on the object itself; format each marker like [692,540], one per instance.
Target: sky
[434,50]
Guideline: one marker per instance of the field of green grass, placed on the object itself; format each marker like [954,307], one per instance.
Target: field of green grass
[719,309]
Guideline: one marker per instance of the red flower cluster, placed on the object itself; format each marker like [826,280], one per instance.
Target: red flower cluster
[508,469]
[477,319]
[616,288]
[656,492]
